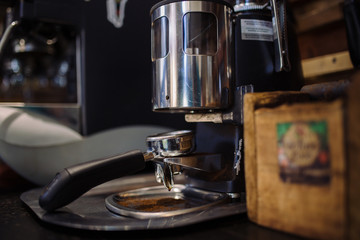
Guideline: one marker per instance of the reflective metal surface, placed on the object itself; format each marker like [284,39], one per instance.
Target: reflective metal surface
[156,202]
[191,56]
[40,70]
[167,168]
[89,211]
[282,62]
[246,5]
[199,161]
[173,143]
[169,144]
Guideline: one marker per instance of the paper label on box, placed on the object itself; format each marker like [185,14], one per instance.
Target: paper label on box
[303,152]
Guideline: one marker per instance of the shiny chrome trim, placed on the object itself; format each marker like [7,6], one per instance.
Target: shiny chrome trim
[204,201]
[6,34]
[183,82]
[171,143]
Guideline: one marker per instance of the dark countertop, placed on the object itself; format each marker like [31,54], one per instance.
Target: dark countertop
[17,221]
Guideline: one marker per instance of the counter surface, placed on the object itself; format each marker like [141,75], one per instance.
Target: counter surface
[18,222]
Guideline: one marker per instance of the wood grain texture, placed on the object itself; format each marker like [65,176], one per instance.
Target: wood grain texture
[327,64]
[304,209]
[253,101]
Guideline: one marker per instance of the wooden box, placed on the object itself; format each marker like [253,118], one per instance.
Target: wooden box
[297,164]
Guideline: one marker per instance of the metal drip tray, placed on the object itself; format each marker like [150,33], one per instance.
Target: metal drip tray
[153,202]
[89,212]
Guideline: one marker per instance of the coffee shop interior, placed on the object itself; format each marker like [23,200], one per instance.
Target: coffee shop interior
[179,119]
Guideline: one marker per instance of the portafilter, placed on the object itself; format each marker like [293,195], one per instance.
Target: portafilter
[74,181]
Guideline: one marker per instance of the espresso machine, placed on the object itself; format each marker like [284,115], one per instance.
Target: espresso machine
[79,63]
[206,55]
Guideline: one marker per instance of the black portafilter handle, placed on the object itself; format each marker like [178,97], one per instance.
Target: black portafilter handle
[76,180]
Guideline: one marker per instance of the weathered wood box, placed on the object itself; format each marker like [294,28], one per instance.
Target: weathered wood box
[302,163]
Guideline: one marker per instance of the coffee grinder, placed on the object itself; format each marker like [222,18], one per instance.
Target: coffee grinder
[203,64]
[206,55]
